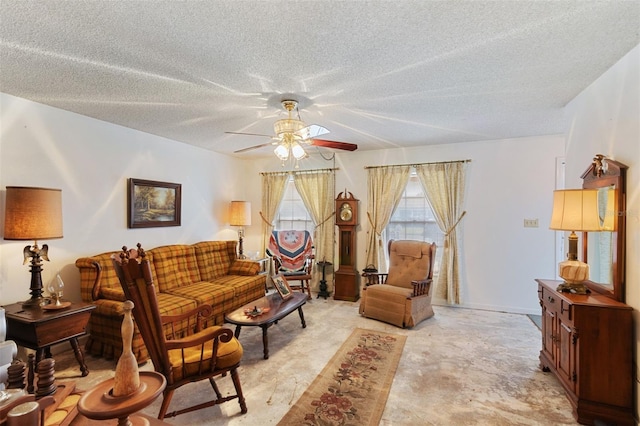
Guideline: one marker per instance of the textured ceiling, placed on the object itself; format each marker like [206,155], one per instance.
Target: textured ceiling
[380,74]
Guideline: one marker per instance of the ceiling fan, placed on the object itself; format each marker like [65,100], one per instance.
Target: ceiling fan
[292,134]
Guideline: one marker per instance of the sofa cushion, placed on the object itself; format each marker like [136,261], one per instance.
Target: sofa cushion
[246,289]
[214,258]
[221,298]
[175,266]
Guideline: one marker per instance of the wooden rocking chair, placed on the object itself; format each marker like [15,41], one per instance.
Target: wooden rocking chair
[206,353]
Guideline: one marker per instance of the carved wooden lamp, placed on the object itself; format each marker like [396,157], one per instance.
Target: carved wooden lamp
[240,215]
[33,214]
[574,210]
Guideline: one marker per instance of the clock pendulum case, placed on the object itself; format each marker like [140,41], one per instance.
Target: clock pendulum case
[347,279]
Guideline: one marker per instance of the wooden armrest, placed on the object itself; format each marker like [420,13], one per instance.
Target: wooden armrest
[206,335]
[375,278]
[421,287]
[95,291]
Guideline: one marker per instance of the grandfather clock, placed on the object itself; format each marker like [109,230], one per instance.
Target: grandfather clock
[347,279]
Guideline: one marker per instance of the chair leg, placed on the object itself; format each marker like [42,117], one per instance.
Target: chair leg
[166,400]
[236,382]
[308,290]
[215,388]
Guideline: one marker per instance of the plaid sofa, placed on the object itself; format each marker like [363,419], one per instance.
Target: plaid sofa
[185,276]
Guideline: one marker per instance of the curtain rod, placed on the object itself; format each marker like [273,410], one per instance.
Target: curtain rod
[418,164]
[299,172]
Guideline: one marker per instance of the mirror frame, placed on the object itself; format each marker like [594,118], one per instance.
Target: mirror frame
[602,173]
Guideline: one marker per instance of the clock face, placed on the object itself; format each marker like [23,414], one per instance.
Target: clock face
[345,212]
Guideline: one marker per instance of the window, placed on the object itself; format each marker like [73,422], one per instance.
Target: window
[413,219]
[292,214]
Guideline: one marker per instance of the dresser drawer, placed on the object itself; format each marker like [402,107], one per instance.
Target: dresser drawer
[550,300]
[566,312]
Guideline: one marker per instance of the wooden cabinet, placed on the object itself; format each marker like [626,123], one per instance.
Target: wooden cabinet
[587,344]
[347,279]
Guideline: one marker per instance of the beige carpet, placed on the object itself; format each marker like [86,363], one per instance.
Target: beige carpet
[461,367]
[354,385]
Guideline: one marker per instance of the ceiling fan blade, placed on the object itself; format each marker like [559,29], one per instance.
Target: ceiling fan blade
[248,134]
[334,144]
[253,147]
[312,131]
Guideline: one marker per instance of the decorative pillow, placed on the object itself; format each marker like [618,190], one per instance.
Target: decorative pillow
[244,267]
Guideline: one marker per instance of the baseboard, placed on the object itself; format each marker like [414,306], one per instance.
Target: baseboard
[494,308]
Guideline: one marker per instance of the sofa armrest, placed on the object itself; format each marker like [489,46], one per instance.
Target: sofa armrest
[244,267]
[113,294]
[87,264]
[421,287]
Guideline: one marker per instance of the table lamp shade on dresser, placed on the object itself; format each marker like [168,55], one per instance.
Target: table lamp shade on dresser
[33,213]
[575,210]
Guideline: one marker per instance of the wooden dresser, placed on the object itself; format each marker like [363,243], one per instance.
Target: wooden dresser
[587,343]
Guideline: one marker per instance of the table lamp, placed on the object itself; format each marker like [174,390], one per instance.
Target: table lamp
[240,215]
[574,210]
[33,214]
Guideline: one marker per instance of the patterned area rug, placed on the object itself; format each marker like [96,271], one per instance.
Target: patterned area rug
[353,387]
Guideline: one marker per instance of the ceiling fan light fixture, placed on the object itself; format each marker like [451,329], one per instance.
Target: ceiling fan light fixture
[297,151]
[282,152]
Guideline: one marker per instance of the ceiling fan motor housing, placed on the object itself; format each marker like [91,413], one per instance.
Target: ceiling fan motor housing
[287,125]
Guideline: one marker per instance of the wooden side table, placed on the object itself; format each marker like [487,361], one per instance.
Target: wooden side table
[39,329]
[99,403]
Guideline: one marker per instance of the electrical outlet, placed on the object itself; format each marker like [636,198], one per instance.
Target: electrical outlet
[531,223]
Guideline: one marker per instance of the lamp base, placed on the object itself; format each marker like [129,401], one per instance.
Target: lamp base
[574,288]
[34,302]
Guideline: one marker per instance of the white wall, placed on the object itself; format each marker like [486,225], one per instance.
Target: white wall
[605,119]
[90,161]
[508,181]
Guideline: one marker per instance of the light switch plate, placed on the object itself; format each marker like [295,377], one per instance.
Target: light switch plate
[531,223]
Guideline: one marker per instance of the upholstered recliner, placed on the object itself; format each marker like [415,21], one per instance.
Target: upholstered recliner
[402,296]
[292,252]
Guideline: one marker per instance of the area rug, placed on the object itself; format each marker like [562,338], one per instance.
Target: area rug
[353,387]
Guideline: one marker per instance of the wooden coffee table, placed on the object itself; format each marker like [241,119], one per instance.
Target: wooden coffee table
[278,309]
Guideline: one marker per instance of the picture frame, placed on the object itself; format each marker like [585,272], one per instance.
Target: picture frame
[282,286]
[152,203]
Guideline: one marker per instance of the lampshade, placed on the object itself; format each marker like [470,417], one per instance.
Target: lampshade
[32,213]
[282,152]
[575,210]
[297,151]
[240,213]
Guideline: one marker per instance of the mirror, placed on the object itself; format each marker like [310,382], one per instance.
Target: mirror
[604,251]
[600,253]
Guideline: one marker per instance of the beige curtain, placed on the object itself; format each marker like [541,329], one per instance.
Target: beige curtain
[317,191]
[384,186]
[443,184]
[273,186]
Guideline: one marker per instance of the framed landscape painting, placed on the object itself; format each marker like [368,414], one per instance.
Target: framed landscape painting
[152,203]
